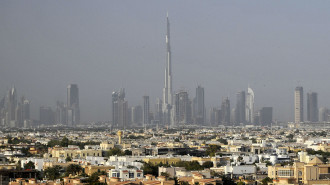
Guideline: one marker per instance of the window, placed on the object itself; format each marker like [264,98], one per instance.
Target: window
[114,174]
[286,173]
[139,175]
[131,175]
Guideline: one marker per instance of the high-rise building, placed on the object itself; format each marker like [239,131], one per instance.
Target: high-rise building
[146,111]
[22,114]
[298,105]
[46,116]
[61,113]
[233,116]
[182,108]
[249,106]
[215,116]
[137,115]
[240,108]
[119,109]
[159,111]
[323,114]
[199,106]
[115,108]
[225,111]
[312,107]
[3,111]
[11,108]
[167,91]
[73,110]
[26,110]
[266,116]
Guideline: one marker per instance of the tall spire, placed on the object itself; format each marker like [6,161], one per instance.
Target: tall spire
[167,91]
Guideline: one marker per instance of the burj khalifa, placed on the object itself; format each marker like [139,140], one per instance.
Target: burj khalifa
[167,90]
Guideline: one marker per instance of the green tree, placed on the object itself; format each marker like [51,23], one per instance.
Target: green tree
[127,152]
[241,183]
[227,181]
[224,141]
[215,174]
[268,163]
[189,165]
[30,165]
[184,183]
[208,164]
[64,142]
[73,169]
[266,180]
[94,178]
[53,173]
[68,159]
[26,152]
[149,168]
[115,151]
[165,174]
[212,150]
[18,165]
[53,143]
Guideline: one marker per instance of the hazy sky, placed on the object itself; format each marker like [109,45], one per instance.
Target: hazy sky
[222,45]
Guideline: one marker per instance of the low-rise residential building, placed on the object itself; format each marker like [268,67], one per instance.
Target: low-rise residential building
[126,174]
[63,152]
[314,172]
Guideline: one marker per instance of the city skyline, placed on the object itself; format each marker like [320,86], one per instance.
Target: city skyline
[204,51]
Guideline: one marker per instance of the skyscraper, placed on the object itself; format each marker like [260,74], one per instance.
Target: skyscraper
[137,115]
[312,108]
[298,105]
[167,91]
[11,107]
[3,111]
[225,111]
[119,109]
[22,114]
[266,116]
[146,111]
[199,106]
[323,114]
[60,115]
[240,108]
[47,116]
[182,108]
[249,106]
[159,111]
[73,111]
[215,116]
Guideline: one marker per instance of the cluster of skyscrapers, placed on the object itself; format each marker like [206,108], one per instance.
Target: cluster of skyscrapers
[65,114]
[242,113]
[14,112]
[178,109]
[314,113]
[174,109]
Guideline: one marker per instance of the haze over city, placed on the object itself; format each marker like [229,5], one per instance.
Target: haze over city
[224,46]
